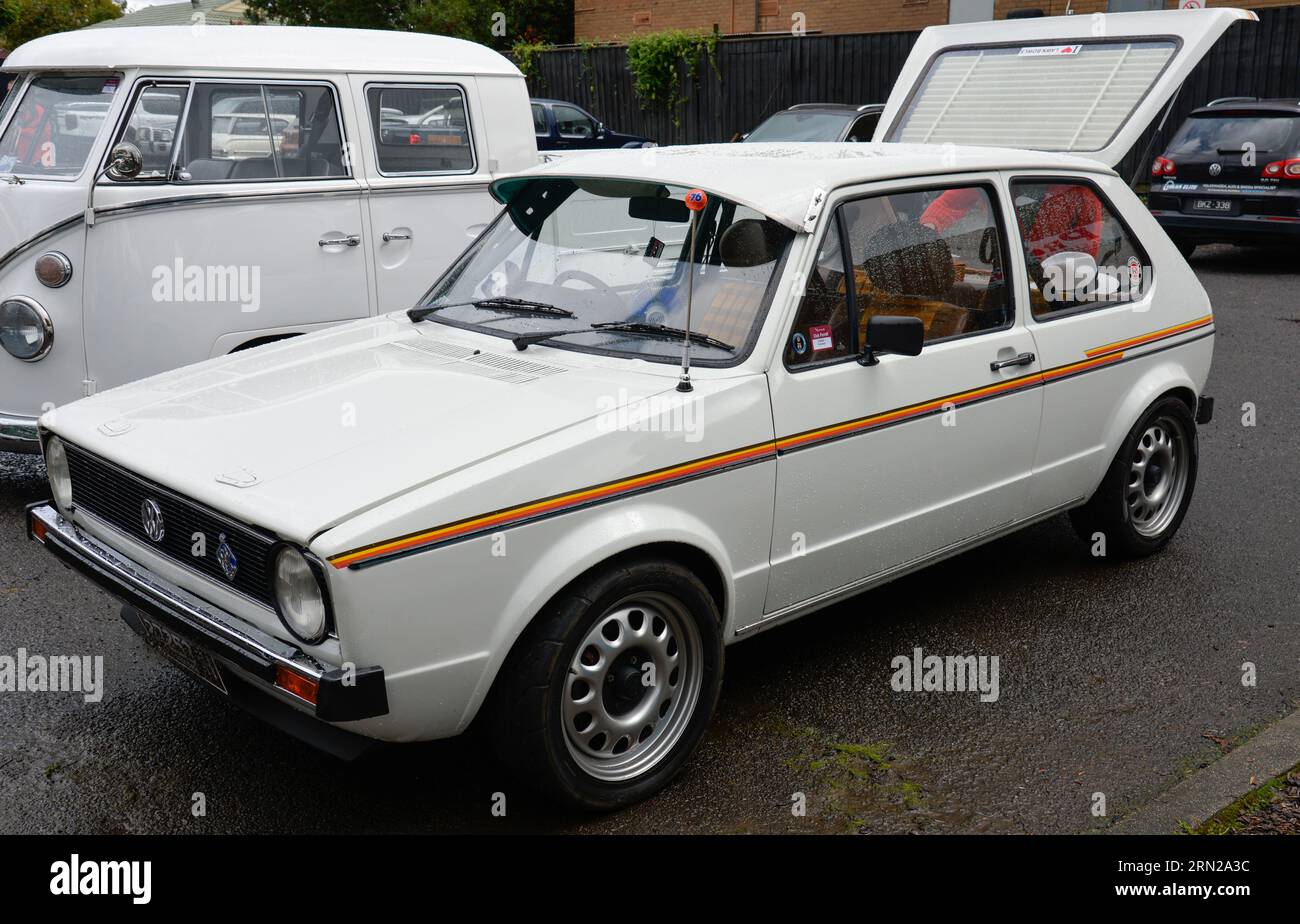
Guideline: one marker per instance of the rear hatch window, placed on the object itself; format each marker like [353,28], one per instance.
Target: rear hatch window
[1240,143]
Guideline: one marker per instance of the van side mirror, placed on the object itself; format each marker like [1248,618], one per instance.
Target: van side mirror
[892,334]
[124,162]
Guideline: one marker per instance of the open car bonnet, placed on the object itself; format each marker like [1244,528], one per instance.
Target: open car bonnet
[1088,85]
[297,436]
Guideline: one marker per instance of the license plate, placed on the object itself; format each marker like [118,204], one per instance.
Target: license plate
[1212,205]
[182,651]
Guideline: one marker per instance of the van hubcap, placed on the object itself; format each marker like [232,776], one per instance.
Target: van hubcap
[632,687]
[1157,476]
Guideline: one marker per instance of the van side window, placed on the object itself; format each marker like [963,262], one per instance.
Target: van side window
[420,129]
[1078,253]
[238,133]
[934,254]
[152,128]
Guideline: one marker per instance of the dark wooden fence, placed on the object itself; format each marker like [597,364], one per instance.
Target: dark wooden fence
[750,78]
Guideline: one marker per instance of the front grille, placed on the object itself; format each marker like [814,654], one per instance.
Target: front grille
[116,496]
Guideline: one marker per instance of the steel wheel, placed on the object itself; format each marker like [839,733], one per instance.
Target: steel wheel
[632,687]
[1157,476]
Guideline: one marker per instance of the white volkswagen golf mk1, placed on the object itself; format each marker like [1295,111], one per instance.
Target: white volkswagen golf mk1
[667,400]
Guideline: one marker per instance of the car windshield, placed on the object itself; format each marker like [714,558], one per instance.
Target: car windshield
[1212,135]
[55,125]
[802,125]
[615,251]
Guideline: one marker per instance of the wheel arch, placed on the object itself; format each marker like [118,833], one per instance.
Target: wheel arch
[1164,379]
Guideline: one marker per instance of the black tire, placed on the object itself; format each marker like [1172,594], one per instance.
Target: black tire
[1110,511]
[1185,247]
[528,725]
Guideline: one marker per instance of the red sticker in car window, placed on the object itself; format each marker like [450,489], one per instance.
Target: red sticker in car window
[822,337]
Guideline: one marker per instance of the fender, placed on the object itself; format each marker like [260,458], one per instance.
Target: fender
[585,547]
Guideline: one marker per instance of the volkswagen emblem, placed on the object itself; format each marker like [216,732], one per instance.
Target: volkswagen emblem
[151,518]
[1216,169]
[226,558]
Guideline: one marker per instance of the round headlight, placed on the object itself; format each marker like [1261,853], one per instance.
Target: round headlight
[56,465]
[299,597]
[53,269]
[26,331]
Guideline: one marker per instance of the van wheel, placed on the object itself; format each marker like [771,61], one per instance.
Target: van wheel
[1148,487]
[608,693]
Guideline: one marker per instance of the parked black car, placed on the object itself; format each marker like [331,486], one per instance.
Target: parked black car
[1231,174]
[820,122]
[562,126]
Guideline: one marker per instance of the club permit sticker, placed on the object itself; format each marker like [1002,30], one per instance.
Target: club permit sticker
[821,336]
[1045,51]
[1134,272]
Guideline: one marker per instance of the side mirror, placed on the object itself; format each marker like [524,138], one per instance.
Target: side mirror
[893,334]
[124,162]
[600,130]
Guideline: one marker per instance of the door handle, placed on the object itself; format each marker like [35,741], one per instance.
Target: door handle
[390,236]
[352,240]
[1024,359]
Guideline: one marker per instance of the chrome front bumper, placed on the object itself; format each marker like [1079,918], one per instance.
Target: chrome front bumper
[254,656]
[18,434]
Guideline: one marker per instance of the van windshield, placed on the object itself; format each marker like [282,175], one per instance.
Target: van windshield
[55,125]
[574,255]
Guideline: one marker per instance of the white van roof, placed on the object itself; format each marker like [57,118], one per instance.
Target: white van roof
[788,182]
[259,48]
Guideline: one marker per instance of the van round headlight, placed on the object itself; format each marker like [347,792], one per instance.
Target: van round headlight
[26,331]
[299,598]
[56,466]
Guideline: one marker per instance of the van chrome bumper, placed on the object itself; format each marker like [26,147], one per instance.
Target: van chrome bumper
[224,636]
[18,434]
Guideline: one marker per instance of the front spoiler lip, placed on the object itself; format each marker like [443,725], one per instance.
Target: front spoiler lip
[341,697]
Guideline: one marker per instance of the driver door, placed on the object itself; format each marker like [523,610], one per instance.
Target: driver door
[886,466]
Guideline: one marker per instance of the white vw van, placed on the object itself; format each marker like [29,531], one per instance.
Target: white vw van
[172,194]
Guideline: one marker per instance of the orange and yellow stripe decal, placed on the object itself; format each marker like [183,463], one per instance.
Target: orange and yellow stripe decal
[561,503]
[1154,335]
[513,516]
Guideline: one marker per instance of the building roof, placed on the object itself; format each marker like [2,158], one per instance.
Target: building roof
[788,181]
[215,13]
[249,48]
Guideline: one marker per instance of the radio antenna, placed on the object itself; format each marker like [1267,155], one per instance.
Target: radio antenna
[696,200]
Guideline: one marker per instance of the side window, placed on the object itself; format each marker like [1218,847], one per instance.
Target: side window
[246,132]
[574,123]
[539,120]
[864,128]
[153,125]
[822,328]
[932,254]
[1078,253]
[420,130]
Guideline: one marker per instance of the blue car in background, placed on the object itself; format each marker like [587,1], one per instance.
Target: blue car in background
[562,126]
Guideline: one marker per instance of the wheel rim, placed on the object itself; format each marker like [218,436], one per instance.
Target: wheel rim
[632,687]
[1157,477]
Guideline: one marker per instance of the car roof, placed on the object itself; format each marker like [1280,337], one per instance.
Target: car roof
[788,181]
[1245,104]
[260,48]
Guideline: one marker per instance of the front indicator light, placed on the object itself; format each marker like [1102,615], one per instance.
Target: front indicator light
[26,331]
[53,269]
[299,597]
[302,687]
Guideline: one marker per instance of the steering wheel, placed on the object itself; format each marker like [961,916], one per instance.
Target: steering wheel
[597,285]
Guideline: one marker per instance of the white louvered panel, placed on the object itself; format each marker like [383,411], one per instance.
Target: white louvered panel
[997,96]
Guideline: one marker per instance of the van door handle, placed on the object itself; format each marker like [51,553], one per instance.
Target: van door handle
[1024,359]
[352,240]
[390,236]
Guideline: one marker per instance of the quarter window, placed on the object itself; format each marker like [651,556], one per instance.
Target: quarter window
[932,254]
[1078,253]
[823,328]
[421,130]
[152,127]
[248,132]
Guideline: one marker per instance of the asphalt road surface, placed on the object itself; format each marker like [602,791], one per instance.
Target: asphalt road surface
[1116,679]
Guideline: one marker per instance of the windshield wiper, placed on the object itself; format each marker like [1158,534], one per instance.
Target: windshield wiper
[499,303]
[625,327]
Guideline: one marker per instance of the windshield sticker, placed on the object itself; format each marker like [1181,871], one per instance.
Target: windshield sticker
[110,86]
[1037,51]
[798,343]
[822,337]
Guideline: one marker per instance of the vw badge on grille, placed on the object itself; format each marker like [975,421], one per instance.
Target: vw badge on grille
[226,558]
[1216,169]
[151,518]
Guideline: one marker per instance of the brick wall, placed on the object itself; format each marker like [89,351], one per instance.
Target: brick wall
[606,20]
